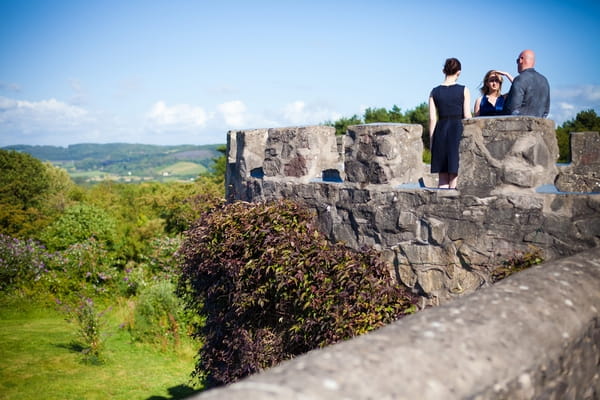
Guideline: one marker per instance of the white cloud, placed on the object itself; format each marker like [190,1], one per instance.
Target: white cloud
[176,117]
[299,113]
[234,113]
[566,102]
[29,116]
[584,93]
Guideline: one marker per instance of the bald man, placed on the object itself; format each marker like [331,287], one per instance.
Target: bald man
[530,92]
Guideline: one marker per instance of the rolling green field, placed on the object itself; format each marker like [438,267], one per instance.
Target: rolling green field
[39,360]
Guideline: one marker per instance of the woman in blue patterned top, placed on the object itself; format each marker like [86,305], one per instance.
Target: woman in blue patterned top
[492,100]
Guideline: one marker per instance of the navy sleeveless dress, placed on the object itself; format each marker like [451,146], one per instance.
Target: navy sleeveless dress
[449,102]
[486,108]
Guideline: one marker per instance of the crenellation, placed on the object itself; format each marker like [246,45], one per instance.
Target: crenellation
[440,243]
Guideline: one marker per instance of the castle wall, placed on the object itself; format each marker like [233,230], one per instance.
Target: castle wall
[440,243]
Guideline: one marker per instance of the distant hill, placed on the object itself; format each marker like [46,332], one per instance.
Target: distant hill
[92,162]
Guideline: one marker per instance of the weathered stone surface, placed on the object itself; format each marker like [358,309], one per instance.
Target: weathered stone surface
[583,174]
[444,243]
[245,157]
[383,153]
[300,153]
[536,335]
[507,154]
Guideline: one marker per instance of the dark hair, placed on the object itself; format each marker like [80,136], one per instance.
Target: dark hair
[452,66]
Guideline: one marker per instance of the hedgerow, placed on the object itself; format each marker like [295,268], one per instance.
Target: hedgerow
[271,286]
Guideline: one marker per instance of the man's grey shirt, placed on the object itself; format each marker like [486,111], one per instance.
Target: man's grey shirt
[528,95]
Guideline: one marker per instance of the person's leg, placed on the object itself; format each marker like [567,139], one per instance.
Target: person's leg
[443,180]
[452,180]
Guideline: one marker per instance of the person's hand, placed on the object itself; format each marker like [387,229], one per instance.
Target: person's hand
[506,74]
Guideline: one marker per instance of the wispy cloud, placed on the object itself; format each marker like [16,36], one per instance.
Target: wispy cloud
[29,116]
[300,113]
[234,113]
[566,102]
[176,117]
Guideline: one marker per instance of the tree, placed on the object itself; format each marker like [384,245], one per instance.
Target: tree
[77,225]
[24,182]
[342,124]
[372,115]
[586,120]
[420,115]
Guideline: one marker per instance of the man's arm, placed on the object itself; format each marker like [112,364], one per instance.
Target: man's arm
[513,103]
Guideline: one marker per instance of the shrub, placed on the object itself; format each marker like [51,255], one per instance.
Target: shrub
[82,269]
[158,315]
[22,262]
[272,287]
[90,324]
[518,262]
[77,225]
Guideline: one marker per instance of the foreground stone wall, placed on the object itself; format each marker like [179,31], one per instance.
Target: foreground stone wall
[535,335]
[440,243]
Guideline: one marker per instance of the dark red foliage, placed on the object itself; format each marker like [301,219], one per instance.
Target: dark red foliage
[271,287]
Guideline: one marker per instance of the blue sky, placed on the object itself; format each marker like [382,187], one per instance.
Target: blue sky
[186,72]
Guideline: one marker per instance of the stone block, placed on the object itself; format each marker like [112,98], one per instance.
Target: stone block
[245,156]
[301,154]
[507,154]
[583,174]
[383,154]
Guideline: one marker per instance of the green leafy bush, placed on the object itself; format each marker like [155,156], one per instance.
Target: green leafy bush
[272,287]
[159,315]
[82,269]
[77,225]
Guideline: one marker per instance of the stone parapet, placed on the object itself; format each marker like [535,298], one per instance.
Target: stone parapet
[245,158]
[440,243]
[583,173]
[507,154]
[535,335]
[383,154]
[300,154]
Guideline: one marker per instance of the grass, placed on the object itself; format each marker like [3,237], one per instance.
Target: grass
[39,359]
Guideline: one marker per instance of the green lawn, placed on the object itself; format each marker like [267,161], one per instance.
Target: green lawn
[38,360]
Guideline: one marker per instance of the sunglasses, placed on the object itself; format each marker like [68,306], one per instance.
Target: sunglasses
[492,80]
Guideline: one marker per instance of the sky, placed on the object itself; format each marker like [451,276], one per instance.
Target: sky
[175,72]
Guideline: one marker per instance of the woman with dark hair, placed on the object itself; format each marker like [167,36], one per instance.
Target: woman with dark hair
[492,100]
[449,103]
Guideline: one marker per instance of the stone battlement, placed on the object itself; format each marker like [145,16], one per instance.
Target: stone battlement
[364,187]
[534,335]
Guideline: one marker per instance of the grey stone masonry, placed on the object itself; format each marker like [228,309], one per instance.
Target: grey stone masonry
[583,173]
[507,154]
[300,154]
[440,243]
[535,335]
[383,154]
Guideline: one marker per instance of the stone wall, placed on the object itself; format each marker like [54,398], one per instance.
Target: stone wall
[440,243]
[583,173]
[535,335]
